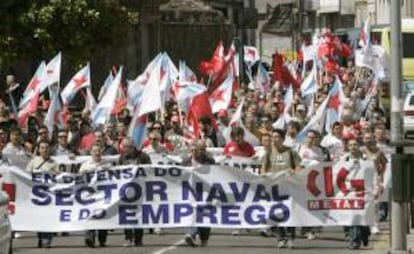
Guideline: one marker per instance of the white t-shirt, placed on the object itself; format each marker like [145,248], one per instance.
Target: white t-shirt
[310,155]
[334,145]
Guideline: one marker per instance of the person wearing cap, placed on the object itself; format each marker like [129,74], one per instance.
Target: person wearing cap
[198,157]
[300,115]
[223,120]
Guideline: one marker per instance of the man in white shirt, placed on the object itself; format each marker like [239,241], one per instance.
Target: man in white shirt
[62,147]
[333,141]
[43,163]
[93,164]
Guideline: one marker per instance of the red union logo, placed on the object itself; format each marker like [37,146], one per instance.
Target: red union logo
[357,185]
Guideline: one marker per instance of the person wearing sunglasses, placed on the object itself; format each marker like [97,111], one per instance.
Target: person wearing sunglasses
[43,134]
[154,145]
[157,126]
[62,147]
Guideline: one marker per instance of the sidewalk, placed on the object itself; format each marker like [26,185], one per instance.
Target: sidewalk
[410,241]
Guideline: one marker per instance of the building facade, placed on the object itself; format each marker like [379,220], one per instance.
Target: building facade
[379,11]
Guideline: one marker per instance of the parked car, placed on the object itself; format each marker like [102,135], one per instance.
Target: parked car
[5,226]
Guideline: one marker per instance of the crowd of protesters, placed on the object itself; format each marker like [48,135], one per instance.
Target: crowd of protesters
[361,134]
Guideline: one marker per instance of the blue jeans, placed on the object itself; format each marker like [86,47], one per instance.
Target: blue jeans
[358,235]
[383,210]
[285,231]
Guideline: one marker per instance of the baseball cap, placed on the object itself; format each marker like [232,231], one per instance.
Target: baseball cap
[222,113]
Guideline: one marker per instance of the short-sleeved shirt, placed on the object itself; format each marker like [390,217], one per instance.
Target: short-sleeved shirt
[244,149]
[282,159]
[38,164]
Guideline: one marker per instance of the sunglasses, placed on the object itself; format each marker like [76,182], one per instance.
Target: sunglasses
[154,139]
[156,128]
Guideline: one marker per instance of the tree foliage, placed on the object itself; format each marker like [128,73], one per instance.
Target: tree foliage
[35,29]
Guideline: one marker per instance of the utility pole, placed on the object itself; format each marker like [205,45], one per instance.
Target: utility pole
[300,22]
[398,220]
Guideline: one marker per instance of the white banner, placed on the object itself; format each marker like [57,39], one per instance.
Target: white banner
[148,196]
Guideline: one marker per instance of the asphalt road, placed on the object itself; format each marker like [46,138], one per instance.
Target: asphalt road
[330,240]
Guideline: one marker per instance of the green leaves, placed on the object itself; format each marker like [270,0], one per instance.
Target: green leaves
[39,28]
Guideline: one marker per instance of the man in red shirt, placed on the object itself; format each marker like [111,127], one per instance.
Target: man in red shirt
[237,146]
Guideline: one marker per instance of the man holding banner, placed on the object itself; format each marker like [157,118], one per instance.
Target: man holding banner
[95,163]
[358,234]
[281,158]
[43,163]
[131,156]
[198,157]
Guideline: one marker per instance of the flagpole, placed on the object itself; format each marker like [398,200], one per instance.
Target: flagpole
[13,103]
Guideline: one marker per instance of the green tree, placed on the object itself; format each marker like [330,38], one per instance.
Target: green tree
[37,29]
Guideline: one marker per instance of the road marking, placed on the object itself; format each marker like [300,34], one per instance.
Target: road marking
[172,247]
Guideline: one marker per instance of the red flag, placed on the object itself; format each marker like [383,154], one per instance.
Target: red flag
[346,50]
[120,104]
[282,74]
[221,76]
[200,106]
[29,109]
[277,67]
[300,55]
[331,66]
[216,62]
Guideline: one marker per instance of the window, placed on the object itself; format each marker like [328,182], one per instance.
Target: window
[408,42]
[376,38]
[411,100]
